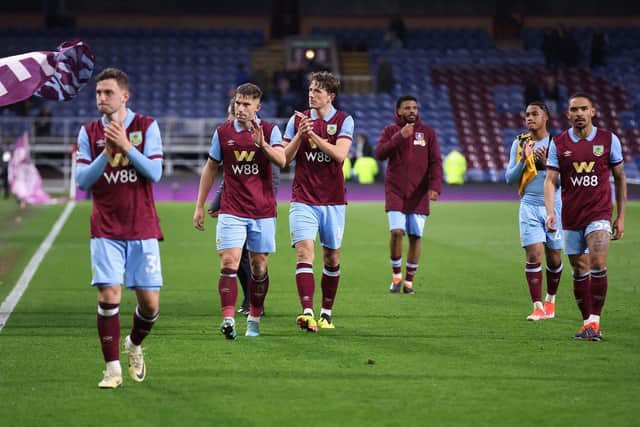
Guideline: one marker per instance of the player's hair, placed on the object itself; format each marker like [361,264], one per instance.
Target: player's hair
[405,98]
[582,95]
[116,74]
[326,81]
[250,90]
[231,108]
[540,104]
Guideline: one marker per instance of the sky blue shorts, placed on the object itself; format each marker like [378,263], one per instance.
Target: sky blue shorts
[575,242]
[135,261]
[533,229]
[411,224]
[232,232]
[305,221]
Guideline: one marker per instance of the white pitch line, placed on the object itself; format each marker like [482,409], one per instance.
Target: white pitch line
[14,297]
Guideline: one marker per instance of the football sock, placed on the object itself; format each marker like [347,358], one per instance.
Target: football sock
[329,283]
[533,272]
[258,289]
[410,274]
[396,267]
[251,318]
[306,284]
[593,318]
[550,298]
[538,305]
[581,290]
[326,312]
[228,290]
[141,326]
[553,279]
[598,290]
[109,331]
[114,367]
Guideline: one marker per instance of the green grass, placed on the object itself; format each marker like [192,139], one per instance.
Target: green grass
[457,353]
[21,232]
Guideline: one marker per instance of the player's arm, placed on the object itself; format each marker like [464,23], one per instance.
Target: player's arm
[550,186]
[339,151]
[435,168]
[149,163]
[388,144]
[150,168]
[292,138]
[620,184]
[207,177]
[514,170]
[272,149]
[88,171]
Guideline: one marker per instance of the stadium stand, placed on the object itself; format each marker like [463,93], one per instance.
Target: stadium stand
[472,93]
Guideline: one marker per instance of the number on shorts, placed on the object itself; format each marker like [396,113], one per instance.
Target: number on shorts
[153,264]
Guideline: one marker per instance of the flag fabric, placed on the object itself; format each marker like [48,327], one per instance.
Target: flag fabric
[24,179]
[57,75]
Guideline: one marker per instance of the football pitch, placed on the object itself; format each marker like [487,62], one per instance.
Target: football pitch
[459,352]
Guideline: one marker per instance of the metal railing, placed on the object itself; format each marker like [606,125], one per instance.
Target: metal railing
[185,141]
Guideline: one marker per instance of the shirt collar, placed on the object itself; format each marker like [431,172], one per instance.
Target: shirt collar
[314,115]
[589,137]
[127,120]
[239,128]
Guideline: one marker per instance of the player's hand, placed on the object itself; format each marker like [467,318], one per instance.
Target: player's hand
[198,218]
[618,228]
[527,150]
[407,130]
[115,133]
[433,195]
[213,214]
[109,148]
[305,125]
[540,154]
[257,133]
[551,223]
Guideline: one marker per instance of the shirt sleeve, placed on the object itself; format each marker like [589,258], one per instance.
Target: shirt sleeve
[153,142]
[290,130]
[346,131]
[149,167]
[276,137]
[84,148]
[552,156]
[215,153]
[615,156]
[514,170]
[88,171]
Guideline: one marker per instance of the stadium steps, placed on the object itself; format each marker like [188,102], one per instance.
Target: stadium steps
[355,72]
[269,58]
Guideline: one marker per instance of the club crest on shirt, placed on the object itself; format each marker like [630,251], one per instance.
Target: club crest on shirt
[418,139]
[598,150]
[332,129]
[135,138]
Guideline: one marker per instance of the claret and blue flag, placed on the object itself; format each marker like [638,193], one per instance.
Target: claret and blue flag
[57,75]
